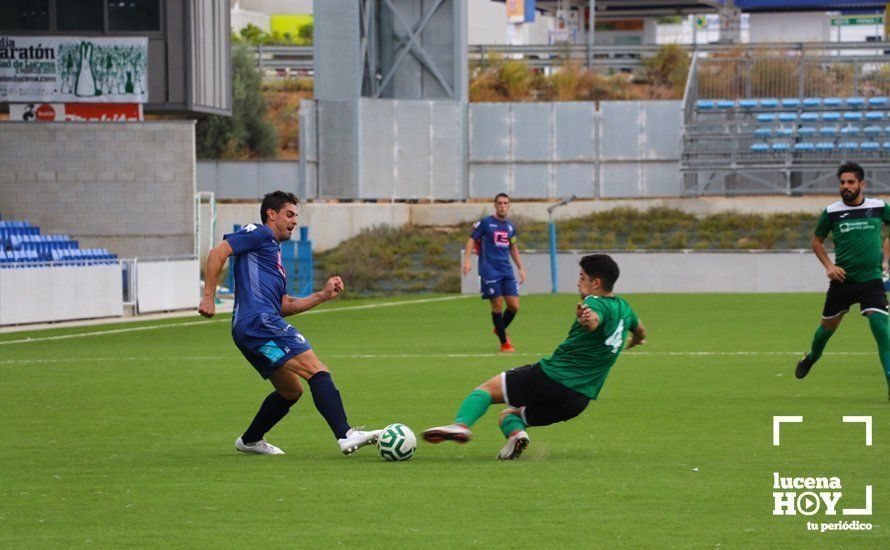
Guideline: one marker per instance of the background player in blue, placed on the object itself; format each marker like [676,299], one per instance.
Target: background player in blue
[275,349]
[494,239]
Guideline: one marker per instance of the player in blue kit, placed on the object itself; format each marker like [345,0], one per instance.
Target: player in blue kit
[494,239]
[276,350]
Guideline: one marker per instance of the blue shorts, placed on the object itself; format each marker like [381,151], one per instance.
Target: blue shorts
[267,341]
[495,288]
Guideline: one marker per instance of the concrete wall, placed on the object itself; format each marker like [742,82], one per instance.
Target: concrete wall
[679,272]
[330,224]
[127,187]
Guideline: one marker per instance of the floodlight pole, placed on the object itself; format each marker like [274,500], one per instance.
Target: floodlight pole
[552,226]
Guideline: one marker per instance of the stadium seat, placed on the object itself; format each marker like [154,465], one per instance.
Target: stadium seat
[855,101]
[790,102]
[784,131]
[833,117]
[763,132]
[825,146]
[809,117]
[759,147]
[874,115]
[877,101]
[872,130]
[849,145]
[769,103]
[831,102]
[870,146]
[803,146]
[747,103]
[806,130]
[850,130]
[704,104]
[828,130]
[812,102]
[725,104]
[787,117]
[766,117]
[852,116]
[779,146]
[887,145]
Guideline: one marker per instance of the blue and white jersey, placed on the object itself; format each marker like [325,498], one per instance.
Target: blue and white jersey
[493,239]
[259,273]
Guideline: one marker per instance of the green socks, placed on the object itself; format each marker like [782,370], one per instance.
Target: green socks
[819,340]
[512,423]
[880,328]
[473,407]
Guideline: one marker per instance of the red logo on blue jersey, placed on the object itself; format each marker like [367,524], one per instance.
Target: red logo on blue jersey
[501,238]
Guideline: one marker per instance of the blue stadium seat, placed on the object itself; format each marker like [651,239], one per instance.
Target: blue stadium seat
[787,117]
[825,146]
[878,101]
[855,101]
[872,130]
[779,146]
[850,130]
[887,145]
[763,132]
[831,101]
[870,146]
[759,147]
[809,117]
[807,130]
[874,115]
[747,103]
[790,102]
[831,116]
[704,104]
[766,117]
[803,146]
[784,130]
[769,103]
[812,102]
[725,104]
[828,130]
[849,145]
[852,116]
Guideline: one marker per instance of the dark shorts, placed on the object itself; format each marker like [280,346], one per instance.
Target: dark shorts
[541,399]
[495,288]
[870,295]
[267,341]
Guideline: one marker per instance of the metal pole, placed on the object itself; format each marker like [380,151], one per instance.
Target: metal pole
[553,269]
[591,20]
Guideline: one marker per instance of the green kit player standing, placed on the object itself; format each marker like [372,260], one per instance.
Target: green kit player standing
[855,224]
[560,386]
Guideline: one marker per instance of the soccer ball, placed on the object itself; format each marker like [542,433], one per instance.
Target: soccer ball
[397,442]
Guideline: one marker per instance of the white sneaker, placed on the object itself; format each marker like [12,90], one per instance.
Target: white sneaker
[356,439]
[514,446]
[451,432]
[261,447]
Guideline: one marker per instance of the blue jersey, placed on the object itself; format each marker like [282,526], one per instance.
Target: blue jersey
[493,239]
[259,274]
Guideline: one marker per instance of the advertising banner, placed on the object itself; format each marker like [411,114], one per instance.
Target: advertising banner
[75,112]
[67,69]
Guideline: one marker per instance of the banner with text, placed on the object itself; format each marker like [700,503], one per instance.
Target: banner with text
[70,69]
[75,112]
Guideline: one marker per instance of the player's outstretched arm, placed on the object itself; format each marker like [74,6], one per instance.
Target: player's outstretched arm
[833,272]
[292,306]
[638,336]
[216,259]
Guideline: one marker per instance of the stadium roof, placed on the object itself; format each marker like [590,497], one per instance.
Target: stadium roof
[640,8]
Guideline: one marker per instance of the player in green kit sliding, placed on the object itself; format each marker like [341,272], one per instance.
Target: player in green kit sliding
[560,386]
[855,224]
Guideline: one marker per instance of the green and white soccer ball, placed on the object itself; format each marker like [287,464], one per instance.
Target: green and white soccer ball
[397,442]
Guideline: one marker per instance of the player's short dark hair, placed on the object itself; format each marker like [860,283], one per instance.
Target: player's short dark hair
[602,267]
[499,195]
[275,201]
[852,167]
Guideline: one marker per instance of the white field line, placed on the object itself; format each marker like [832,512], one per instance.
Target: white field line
[196,359]
[188,323]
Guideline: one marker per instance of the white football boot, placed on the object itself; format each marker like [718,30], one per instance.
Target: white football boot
[356,439]
[451,432]
[261,447]
[514,446]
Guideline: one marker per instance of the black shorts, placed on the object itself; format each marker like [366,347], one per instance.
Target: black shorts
[541,399]
[870,295]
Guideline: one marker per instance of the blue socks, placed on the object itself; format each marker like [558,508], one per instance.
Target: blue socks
[273,409]
[328,402]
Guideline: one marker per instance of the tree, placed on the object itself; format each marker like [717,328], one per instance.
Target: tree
[247,133]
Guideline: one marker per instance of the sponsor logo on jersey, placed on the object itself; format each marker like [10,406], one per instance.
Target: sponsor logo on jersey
[501,238]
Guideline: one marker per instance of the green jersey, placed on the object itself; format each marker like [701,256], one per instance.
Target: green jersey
[583,361]
[856,232]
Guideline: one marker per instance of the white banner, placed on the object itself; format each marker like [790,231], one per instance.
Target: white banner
[67,69]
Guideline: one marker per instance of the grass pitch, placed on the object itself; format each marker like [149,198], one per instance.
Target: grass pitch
[125,439]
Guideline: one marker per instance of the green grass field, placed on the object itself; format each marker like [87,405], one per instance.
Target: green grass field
[125,439]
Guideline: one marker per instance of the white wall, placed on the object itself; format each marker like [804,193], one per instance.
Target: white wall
[167,285]
[790,27]
[44,294]
[697,272]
